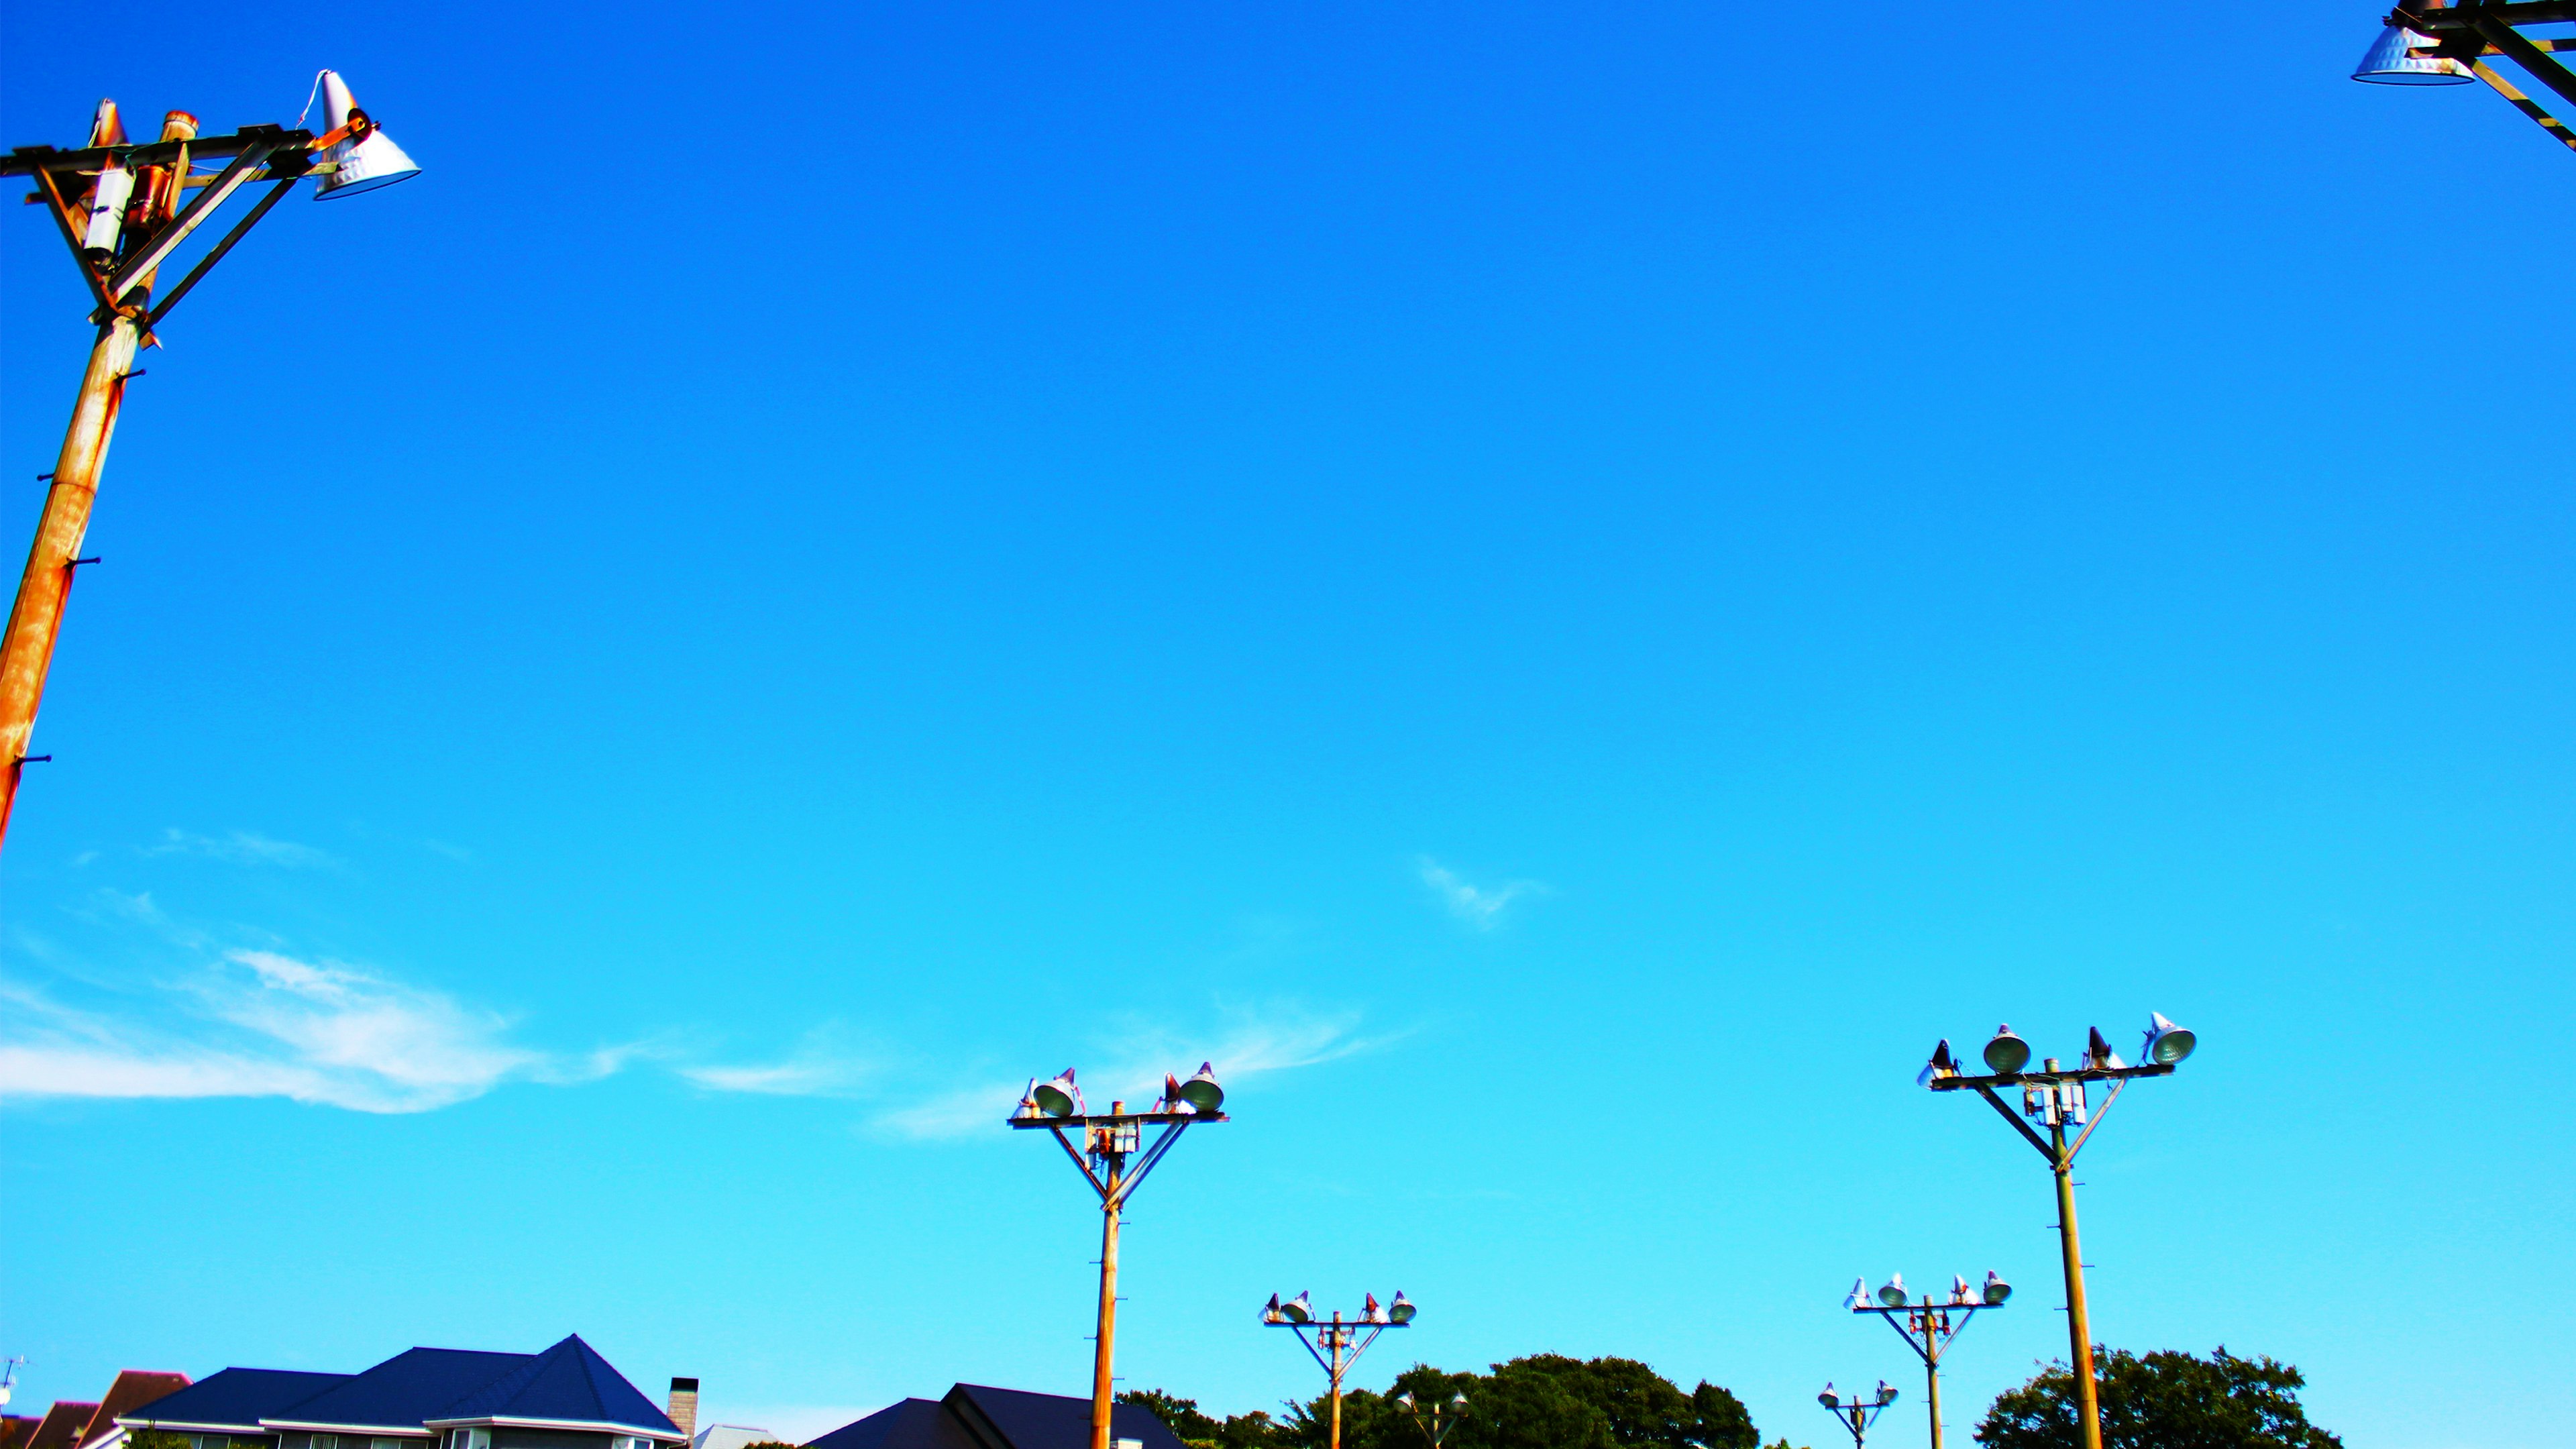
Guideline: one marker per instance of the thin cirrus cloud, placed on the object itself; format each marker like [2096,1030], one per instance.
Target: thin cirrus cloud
[1251,1045]
[263,1024]
[1479,906]
[239,847]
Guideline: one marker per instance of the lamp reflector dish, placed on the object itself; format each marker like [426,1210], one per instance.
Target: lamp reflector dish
[1058,1096]
[366,162]
[2006,1053]
[2386,63]
[1401,1310]
[1893,1295]
[1997,1290]
[2166,1042]
[1201,1090]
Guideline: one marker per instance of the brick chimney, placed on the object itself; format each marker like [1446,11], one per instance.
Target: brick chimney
[684,1406]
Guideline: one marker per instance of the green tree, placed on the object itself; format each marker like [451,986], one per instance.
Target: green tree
[2164,1400]
[1204,1431]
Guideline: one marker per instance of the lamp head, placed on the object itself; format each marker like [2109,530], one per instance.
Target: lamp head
[1886,1392]
[1959,1290]
[1201,1090]
[1458,1401]
[368,159]
[1893,1295]
[1997,1290]
[2166,1042]
[1859,1298]
[2386,63]
[1057,1096]
[2098,1055]
[2006,1053]
[1401,1311]
[1270,1311]
[1941,1065]
[1827,1398]
[1298,1309]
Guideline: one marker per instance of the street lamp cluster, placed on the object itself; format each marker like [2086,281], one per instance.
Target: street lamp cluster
[1928,1327]
[123,209]
[1337,1344]
[1859,1411]
[1108,1140]
[1436,1421]
[2055,1097]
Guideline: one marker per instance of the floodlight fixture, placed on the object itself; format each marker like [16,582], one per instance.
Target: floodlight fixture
[125,207]
[2432,43]
[1201,1091]
[1400,1309]
[2098,1053]
[1297,1310]
[1057,1096]
[363,158]
[1996,1289]
[2006,1053]
[1858,1412]
[1941,1065]
[1893,1293]
[2391,61]
[2166,1042]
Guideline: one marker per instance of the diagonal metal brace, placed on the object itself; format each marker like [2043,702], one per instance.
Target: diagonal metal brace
[2019,1125]
[2525,54]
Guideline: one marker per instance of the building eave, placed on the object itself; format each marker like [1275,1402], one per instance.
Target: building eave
[592,1426]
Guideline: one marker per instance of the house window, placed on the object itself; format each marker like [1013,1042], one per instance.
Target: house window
[326,1441]
[384,1444]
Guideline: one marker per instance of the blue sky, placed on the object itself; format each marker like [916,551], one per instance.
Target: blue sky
[1562,592]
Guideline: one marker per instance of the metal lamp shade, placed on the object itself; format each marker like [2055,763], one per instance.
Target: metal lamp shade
[1893,1295]
[1298,1309]
[367,164]
[1997,1290]
[1058,1096]
[2386,63]
[1401,1310]
[2166,1042]
[2007,1053]
[1201,1090]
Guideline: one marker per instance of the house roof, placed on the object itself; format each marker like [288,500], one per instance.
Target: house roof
[569,1386]
[16,1429]
[233,1400]
[400,1395]
[133,1389]
[977,1416]
[912,1424]
[61,1424]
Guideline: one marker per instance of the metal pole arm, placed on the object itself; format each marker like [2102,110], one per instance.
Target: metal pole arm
[2525,54]
[2018,1125]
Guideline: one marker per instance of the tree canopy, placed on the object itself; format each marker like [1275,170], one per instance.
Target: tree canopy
[1545,1401]
[2163,1400]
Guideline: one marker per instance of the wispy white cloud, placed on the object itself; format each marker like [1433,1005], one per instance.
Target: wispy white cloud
[263,1024]
[823,1065]
[240,847]
[1479,906]
[1246,1044]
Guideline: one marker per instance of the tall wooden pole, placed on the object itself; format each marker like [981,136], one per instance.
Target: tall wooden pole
[2079,1325]
[1104,1345]
[27,650]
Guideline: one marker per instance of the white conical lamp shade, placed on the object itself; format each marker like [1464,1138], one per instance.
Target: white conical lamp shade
[370,162]
[2386,63]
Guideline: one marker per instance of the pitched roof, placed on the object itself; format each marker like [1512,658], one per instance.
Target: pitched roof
[233,1399]
[16,1429]
[401,1394]
[61,1422]
[568,1385]
[1051,1421]
[912,1424]
[133,1389]
[975,1416]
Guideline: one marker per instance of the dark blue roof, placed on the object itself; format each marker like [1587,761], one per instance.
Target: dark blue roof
[974,1416]
[567,1384]
[1055,1421]
[234,1398]
[912,1424]
[404,1392]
